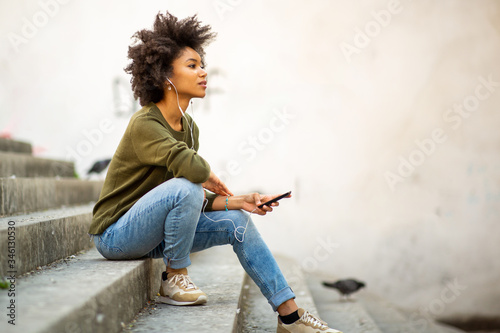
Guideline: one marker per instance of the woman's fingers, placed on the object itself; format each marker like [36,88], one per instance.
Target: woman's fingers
[256,198]
[215,185]
[259,200]
[225,189]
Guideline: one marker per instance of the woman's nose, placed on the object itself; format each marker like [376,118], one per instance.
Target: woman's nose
[203,73]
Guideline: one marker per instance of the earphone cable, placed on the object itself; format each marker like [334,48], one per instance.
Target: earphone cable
[182,112]
[236,229]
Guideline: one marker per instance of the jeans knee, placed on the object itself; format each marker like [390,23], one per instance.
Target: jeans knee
[241,227]
[240,218]
[189,190]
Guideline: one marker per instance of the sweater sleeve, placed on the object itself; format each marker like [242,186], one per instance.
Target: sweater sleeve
[210,200]
[154,145]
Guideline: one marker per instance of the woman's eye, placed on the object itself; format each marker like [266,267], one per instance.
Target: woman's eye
[192,66]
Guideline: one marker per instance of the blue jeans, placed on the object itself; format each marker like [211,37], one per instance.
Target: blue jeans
[167,223]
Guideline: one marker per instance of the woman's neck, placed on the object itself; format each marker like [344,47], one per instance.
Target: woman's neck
[170,110]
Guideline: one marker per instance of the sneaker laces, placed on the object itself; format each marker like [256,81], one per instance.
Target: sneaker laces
[184,281]
[308,318]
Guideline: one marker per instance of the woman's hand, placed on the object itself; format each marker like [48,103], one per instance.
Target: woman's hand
[251,202]
[215,185]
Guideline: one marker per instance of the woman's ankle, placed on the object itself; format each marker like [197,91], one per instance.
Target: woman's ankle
[287,307]
[176,270]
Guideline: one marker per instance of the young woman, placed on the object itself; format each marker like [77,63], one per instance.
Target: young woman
[153,202]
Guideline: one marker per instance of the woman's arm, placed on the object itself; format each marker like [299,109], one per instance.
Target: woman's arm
[248,202]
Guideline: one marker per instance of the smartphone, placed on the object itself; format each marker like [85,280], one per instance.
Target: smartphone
[268,203]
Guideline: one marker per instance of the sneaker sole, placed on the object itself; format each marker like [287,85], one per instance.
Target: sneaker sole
[167,300]
[281,329]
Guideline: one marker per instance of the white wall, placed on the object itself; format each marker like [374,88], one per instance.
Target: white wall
[325,98]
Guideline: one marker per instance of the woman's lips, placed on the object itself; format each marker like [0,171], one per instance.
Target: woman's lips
[203,84]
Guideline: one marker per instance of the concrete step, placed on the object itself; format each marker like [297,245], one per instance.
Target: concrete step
[24,165]
[219,274]
[256,314]
[392,319]
[345,316]
[368,313]
[40,238]
[15,146]
[24,195]
[85,293]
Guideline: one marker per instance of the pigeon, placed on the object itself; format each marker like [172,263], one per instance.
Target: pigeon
[345,287]
[99,166]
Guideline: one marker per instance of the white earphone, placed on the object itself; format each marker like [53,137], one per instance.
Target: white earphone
[182,112]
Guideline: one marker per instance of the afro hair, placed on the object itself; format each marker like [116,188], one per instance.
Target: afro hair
[154,51]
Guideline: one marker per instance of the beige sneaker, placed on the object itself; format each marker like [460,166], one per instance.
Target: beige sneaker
[178,289]
[306,324]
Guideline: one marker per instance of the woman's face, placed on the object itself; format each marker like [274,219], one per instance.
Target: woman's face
[188,75]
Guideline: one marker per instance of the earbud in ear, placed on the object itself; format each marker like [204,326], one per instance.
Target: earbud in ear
[169,87]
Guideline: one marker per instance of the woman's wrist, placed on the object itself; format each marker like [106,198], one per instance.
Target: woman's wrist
[230,202]
[235,202]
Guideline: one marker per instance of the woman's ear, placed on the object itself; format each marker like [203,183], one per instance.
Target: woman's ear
[169,84]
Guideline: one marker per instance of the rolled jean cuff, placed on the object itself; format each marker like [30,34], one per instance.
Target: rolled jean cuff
[280,297]
[177,263]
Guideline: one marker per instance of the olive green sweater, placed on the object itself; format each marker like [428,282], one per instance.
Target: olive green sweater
[149,153]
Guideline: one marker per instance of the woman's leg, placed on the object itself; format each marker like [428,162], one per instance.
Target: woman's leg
[252,252]
[168,214]
[259,264]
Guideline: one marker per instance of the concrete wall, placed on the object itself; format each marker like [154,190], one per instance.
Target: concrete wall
[381,116]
